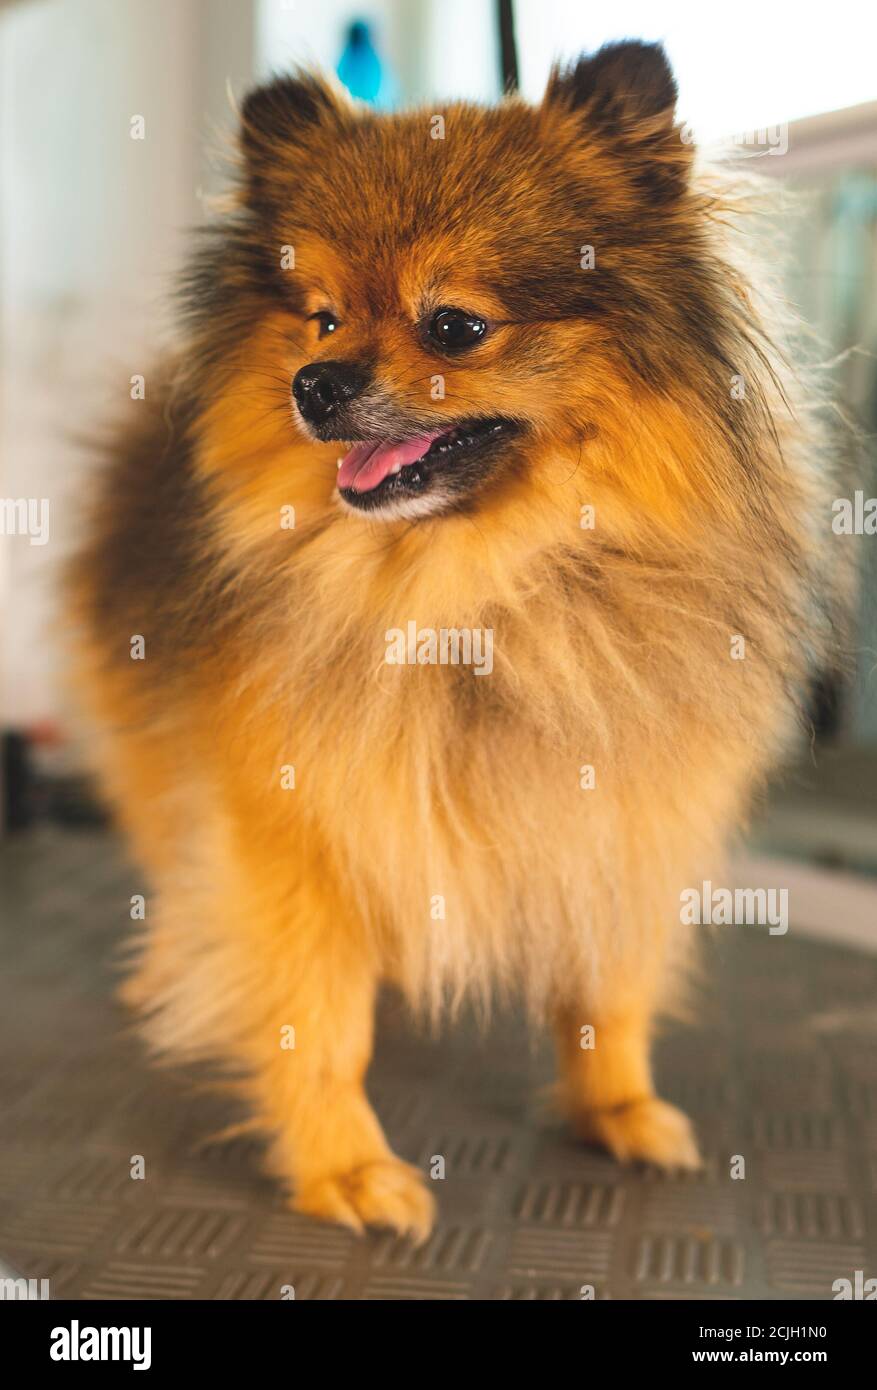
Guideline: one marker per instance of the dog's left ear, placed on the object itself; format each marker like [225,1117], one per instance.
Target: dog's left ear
[624,84]
[625,94]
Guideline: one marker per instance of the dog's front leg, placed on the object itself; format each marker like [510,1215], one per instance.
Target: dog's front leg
[307,1050]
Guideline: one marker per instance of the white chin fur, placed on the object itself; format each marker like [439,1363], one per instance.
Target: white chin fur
[405,509]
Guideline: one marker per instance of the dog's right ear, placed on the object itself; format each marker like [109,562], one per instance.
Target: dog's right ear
[280,114]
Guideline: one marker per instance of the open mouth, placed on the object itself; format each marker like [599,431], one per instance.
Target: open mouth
[378,472]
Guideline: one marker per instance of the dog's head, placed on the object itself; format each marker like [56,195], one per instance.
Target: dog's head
[450,290]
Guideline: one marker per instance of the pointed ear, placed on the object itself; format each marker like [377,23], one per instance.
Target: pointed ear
[625,85]
[625,96]
[281,113]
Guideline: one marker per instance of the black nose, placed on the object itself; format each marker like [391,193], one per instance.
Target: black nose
[322,388]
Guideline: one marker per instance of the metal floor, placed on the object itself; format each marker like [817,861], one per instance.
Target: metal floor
[784,1072]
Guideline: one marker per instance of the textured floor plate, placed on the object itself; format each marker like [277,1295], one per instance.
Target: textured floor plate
[781,1071]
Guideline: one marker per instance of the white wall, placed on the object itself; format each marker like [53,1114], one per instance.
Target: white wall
[93,227]
[739,67]
[436,49]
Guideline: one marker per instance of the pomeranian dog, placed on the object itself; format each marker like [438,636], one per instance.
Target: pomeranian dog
[447,599]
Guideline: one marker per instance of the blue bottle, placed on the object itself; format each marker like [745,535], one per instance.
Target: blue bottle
[360,68]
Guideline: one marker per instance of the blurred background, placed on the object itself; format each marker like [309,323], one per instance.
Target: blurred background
[94,225]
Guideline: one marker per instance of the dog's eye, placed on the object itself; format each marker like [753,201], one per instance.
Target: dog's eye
[454,330]
[327,322]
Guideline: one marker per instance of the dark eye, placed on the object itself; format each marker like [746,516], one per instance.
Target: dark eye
[454,330]
[328,322]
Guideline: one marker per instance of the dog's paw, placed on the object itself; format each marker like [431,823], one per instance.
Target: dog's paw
[649,1130]
[386,1193]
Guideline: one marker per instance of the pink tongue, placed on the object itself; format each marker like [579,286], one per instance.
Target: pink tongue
[369,463]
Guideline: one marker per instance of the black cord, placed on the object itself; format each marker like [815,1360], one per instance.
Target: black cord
[508,50]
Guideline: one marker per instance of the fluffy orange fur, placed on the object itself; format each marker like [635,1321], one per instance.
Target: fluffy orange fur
[277,906]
